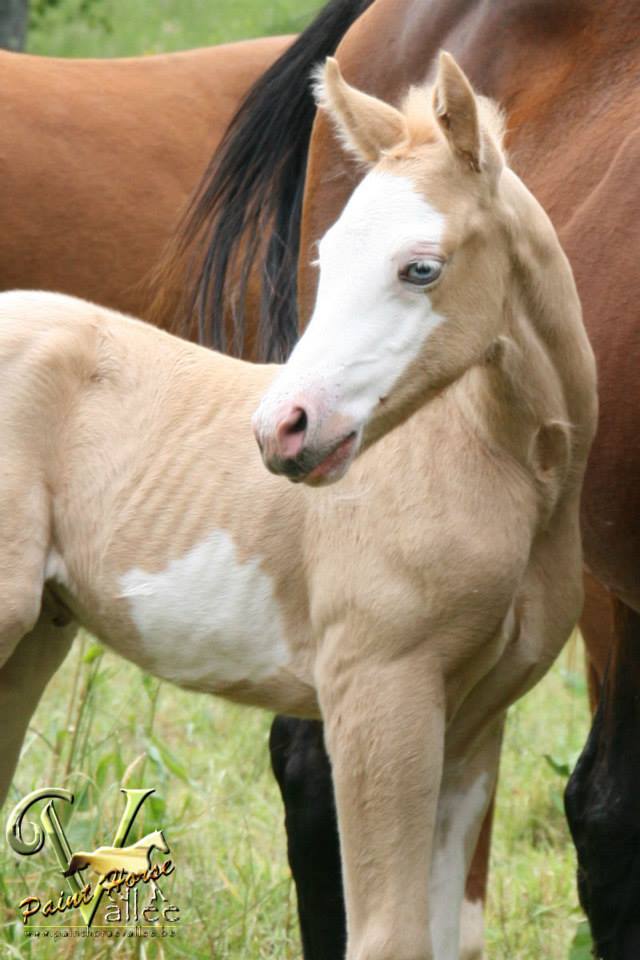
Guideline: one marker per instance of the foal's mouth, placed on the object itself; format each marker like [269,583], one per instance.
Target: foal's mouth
[319,467]
[334,464]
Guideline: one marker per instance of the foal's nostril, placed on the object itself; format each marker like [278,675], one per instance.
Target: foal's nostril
[299,425]
[290,432]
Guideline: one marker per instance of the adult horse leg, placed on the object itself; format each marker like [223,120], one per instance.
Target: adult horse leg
[23,677]
[303,773]
[598,632]
[602,801]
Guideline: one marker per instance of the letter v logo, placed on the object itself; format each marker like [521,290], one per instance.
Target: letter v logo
[53,830]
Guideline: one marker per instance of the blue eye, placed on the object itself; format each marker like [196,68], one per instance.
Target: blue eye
[421,273]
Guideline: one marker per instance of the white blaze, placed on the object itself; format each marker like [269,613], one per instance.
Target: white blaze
[367,325]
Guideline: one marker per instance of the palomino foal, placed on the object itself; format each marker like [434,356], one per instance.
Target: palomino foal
[408,606]
[442,283]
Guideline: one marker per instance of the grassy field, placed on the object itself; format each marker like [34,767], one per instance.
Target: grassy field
[219,806]
[118,28]
[216,798]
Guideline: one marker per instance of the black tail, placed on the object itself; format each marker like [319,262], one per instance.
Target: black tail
[246,212]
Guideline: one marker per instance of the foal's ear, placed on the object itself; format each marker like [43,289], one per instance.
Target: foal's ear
[367,126]
[456,111]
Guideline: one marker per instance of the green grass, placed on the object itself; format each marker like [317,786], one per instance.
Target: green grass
[216,797]
[217,803]
[130,27]
[219,806]
[533,910]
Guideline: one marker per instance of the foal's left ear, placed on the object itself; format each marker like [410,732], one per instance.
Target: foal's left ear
[367,126]
[456,111]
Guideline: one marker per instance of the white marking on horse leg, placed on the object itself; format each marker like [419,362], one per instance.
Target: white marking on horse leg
[458,814]
[208,619]
[472,930]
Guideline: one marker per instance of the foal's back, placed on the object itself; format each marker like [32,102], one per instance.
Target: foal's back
[96,402]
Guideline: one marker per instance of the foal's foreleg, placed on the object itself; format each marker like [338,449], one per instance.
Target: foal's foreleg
[23,678]
[384,728]
[303,772]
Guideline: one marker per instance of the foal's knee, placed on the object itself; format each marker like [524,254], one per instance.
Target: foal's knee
[472,930]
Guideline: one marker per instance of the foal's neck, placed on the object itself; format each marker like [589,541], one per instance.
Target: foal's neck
[537,381]
[515,390]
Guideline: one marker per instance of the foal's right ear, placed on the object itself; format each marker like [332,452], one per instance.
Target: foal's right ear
[456,111]
[367,126]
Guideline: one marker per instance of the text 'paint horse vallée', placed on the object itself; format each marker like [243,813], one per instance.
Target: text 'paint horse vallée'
[135,502]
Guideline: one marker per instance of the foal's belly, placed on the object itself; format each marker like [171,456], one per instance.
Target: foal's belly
[207,621]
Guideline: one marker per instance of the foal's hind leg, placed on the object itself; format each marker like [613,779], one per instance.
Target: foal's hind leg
[23,678]
[24,532]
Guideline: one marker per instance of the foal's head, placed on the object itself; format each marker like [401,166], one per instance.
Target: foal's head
[413,275]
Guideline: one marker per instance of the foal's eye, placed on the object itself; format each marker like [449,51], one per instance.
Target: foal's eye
[421,273]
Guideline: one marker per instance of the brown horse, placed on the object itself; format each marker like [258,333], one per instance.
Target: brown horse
[98,158]
[566,74]
[577,53]
[408,609]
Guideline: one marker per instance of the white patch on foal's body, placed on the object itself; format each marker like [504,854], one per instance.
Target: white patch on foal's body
[367,325]
[458,813]
[207,619]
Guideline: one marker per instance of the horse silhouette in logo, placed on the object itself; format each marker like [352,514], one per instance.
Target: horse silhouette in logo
[106,860]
